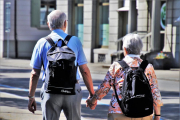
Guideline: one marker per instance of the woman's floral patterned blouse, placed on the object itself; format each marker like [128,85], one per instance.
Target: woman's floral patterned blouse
[116,73]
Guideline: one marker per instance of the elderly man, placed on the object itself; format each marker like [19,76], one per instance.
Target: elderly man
[53,104]
[132,46]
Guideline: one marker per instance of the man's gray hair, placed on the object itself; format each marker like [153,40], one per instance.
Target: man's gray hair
[132,43]
[56,19]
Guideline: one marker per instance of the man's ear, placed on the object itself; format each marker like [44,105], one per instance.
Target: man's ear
[65,24]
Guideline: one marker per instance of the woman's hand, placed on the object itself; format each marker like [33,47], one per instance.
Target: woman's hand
[91,102]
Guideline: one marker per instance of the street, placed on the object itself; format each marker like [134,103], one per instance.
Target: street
[14,84]
[14,91]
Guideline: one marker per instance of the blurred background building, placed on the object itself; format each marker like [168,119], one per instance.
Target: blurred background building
[99,24]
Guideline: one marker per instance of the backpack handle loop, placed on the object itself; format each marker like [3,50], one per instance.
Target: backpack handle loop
[66,40]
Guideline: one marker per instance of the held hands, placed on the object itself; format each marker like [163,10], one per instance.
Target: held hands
[91,102]
[32,105]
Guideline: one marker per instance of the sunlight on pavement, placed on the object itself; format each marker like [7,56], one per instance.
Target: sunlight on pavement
[38,100]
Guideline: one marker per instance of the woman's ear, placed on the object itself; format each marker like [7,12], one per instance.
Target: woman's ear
[48,25]
[125,51]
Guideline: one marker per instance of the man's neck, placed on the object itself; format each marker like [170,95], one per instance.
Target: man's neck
[60,29]
[63,29]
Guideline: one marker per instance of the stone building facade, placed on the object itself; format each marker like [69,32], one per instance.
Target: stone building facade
[99,24]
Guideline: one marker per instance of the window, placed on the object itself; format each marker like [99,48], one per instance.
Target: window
[39,11]
[79,27]
[46,8]
[103,24]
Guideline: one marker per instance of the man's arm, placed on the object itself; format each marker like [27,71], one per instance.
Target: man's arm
[87,78]
[32,88]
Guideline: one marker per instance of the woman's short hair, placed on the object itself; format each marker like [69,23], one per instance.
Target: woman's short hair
[56,19]
[132,43]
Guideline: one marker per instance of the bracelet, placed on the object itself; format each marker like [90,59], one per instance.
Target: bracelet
[157,115]
[31,96]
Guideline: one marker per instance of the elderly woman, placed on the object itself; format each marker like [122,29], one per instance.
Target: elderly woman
[132,46]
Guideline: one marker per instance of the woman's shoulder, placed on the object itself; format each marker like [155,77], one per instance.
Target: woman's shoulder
[115,67]
[149,69]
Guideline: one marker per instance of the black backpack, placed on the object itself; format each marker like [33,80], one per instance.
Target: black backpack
[61,70]
[137,100]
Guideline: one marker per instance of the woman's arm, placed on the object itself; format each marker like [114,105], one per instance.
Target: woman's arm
[157,112]
[157,100]
[105,86]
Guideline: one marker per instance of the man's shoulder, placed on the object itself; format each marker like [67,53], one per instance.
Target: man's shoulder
[75,41]
[41,41]
[74,38]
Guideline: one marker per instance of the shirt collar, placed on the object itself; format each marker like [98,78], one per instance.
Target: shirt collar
[58,31]
[58,34]
[132,60]
[133,55]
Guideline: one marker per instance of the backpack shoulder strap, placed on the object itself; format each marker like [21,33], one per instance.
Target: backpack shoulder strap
[119,102]
[66,40]
[50,41]
[123,64]
[144,64]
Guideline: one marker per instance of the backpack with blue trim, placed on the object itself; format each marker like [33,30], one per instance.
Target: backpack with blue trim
[60,75]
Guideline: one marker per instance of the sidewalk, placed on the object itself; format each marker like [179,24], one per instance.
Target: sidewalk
[95,68]
[98,72]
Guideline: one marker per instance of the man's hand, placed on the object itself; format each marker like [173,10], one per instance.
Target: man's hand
[32,105]
[91,104]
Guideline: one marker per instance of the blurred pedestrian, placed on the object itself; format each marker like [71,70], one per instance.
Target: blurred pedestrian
[53,104]
[132,46]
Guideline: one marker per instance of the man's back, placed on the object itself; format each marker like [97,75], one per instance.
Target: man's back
[39,56]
